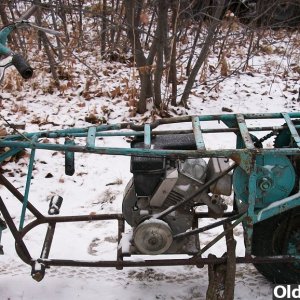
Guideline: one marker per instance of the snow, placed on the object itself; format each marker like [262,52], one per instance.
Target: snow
[99,182]
[183,187]
[125,241]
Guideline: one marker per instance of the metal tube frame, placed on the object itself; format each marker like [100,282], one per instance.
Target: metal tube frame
[244,156]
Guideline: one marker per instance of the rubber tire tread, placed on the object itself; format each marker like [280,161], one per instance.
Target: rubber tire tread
[265,243]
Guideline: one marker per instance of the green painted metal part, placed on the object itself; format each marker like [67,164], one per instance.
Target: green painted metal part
[277,207]
[147,136]
[27,188]
[275,180]
[4,33]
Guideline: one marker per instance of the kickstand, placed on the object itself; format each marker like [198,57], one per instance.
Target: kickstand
[222,276]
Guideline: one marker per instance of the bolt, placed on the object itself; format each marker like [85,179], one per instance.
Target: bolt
[265,184]
[152,241]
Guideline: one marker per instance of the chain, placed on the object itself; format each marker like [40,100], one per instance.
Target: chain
[266,137]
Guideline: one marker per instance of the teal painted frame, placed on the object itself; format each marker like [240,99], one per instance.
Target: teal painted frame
[244,154]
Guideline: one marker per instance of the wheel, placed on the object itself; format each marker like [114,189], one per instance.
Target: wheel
[279,235]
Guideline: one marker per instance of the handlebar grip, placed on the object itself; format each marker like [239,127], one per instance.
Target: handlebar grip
[22,66]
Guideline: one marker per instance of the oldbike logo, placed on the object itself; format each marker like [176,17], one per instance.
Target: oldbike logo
[286,291]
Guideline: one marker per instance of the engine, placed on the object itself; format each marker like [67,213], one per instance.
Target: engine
[160,183]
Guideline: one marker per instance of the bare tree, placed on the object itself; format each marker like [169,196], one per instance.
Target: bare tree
[209,41]
[143,63]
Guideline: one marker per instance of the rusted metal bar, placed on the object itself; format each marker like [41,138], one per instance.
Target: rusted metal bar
[222,276]
[207,227]
[198,133]
[194,261]
[91,137]
[230,263]
[48,240]
[210,130]
[216,277]
[121,228]
[244,132]
[64,134]
[13,229]
[292,128]
[20,197]
[211,293]
[207,215]
[67,219]
[81,218]
[227,117]
[81,132]
[38,269]
[217,238]
[142,152]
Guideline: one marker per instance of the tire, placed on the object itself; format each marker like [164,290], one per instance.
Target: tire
[279,235]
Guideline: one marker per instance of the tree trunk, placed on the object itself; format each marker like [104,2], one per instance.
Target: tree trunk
[210,38]
[4,18]
[173,69]
[3,14]
[80,23]
[59,46]
[162,24]
[133,18]
[62,13]
[46,44]
[104,27]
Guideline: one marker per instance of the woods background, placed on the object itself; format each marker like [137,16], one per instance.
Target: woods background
[166,44]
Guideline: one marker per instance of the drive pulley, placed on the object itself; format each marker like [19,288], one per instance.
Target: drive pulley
[275,180]
[153,237]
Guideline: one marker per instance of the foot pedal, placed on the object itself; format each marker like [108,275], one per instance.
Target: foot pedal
[54,205]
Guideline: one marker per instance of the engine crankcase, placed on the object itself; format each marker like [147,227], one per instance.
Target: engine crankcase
[275,180]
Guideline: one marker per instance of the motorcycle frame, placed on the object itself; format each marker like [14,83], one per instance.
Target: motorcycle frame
[244,156]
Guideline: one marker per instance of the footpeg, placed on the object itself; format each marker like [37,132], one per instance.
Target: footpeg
[54,205]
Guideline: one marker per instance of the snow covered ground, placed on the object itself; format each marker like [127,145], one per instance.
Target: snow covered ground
[99,182]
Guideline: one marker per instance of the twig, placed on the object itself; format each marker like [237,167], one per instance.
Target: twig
[14,129]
